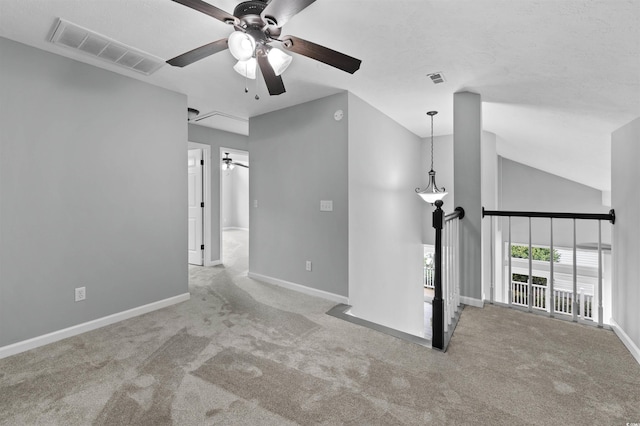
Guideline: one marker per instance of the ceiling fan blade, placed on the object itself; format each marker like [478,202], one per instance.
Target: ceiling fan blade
[241,165]
[274,82]
[283,10]
[320,53]
[208,9]
[199,53]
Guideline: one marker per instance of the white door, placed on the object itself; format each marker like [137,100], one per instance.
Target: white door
[195,247]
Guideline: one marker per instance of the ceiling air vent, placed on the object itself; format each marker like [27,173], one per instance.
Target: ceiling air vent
[99,46]
[436,77]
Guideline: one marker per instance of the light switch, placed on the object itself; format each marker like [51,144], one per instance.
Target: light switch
[255,204]
[326,205]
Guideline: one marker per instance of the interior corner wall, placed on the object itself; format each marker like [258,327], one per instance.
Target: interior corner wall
[216,139]
[93,190]
[298,158]
[625,198]
[490,202]
[385,221]
[443,165]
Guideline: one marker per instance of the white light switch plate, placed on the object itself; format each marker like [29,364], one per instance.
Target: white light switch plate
[326,205]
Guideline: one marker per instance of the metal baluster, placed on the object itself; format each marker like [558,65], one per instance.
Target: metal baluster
[574,307]
[510,277]
[530,287]
[600,310]
[552,295]
[493,261]
[456,269]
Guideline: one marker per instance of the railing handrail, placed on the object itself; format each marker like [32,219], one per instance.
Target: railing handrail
[458,213]
[611,216]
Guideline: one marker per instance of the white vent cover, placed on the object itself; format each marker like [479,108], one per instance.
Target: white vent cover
[436,77]
[75,37]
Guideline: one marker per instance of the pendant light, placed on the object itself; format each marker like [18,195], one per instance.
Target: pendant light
[432,193]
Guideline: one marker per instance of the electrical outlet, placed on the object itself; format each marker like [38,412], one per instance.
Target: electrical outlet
[308,265]
[81,293]
[326,205]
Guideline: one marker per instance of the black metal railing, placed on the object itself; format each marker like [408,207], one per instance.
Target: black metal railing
[530,296]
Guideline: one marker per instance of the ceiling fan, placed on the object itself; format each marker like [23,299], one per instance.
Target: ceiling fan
[257,24]
[229,164]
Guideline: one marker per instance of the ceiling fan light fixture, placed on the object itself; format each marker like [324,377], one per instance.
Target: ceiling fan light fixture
[241,45]
[279,60]
[246,68]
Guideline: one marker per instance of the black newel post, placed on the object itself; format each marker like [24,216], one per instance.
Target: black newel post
[437,322]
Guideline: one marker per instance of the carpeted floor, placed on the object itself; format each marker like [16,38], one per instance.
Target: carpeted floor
[245,353]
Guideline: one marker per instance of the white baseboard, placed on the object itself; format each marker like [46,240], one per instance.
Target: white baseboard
[472,302]
[25,345]
[300,288]
[213,262]
[234,228]
[626,340]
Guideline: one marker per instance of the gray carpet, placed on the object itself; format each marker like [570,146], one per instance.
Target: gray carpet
[245,353]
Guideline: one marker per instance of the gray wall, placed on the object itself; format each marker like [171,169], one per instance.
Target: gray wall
[467,155]
[489,201]
[235,195]
[216,139]
[299,157]
[385,226]
[93,190]
[529,189]
[625,197]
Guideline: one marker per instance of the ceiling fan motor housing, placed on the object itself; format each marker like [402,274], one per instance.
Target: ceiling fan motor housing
[249,14]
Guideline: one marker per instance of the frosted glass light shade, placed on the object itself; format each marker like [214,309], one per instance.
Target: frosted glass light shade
[432,197]
[246,68]
[279,60]
[241,45]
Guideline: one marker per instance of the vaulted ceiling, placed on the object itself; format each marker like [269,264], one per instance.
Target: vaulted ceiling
[556,77]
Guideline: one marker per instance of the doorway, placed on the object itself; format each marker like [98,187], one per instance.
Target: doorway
[199,205]
[234,206]
[195,246]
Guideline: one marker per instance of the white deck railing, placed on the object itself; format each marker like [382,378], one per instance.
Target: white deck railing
[563,299]
[429,273]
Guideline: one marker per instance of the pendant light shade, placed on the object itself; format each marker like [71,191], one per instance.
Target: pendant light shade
[432,193]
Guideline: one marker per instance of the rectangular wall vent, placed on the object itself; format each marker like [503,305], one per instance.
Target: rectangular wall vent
[436,77]
[91,43]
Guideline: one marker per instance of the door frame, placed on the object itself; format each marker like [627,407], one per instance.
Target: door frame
[206,199]
[222,152]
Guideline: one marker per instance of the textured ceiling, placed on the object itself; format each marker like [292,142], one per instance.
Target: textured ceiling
[556,77]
